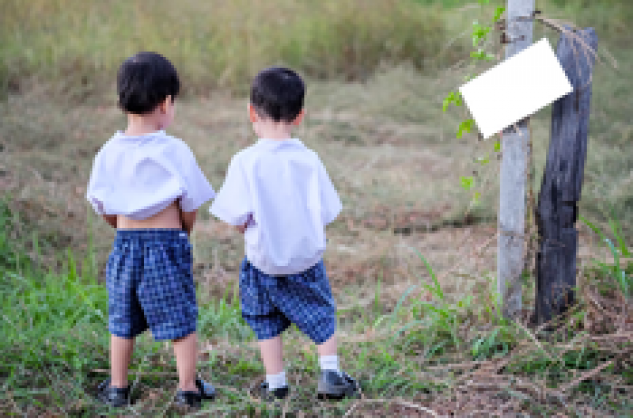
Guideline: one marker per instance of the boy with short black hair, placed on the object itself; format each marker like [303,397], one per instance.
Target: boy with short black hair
[277,192]
[148,186]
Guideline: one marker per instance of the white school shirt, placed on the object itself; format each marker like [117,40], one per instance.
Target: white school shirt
[282,190]
[139,176]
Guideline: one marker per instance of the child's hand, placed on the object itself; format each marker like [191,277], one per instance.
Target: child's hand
[249,221]
[111,220]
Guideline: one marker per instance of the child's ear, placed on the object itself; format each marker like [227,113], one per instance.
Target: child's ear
[252,113]
[299,117]
[165,104]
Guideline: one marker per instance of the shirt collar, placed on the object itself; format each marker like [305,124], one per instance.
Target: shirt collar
[275,144]
[122,135]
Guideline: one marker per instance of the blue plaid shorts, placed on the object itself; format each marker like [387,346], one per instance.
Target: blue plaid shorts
[150,284]
[270,304]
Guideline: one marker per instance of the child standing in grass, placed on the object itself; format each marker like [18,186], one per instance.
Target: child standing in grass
[148,186]
[277,193]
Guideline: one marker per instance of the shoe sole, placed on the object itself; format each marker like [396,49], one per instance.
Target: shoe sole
[330,397]
[354,393]
[111,404]
[101,397]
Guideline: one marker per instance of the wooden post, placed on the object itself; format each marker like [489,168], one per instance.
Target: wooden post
[557,210]
[511,243]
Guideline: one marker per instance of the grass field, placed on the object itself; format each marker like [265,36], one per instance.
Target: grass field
[418,338]
[215,44]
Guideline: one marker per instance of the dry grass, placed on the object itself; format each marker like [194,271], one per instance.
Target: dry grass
[392,155]
[213,43]
[387,146]
[394,190]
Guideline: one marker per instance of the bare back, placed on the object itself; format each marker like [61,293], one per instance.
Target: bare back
[168,218]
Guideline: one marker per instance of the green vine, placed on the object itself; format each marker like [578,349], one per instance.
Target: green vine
[479,35]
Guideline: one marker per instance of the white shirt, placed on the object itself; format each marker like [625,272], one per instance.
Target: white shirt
[139,176]
[282,190]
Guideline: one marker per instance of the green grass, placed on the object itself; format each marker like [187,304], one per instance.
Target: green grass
[621,272]
[55,349]
[48,323]
[78,44]
[433,342]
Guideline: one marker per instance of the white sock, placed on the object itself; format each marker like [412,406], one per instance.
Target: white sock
[329,363]
[276,381]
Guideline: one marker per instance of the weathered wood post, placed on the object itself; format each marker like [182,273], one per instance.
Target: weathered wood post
[511,242]
[557,210]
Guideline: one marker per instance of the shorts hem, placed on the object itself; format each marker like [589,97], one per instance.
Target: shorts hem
[269,335]
[325,337]
[127,336]
[182,333]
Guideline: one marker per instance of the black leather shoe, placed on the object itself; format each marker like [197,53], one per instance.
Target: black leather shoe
[268,395]
[191,399]
[115,397]
[188,399]
[336,385]
[207,391]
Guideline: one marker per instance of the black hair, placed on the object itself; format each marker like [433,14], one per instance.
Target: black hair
[144,81]
[278,93]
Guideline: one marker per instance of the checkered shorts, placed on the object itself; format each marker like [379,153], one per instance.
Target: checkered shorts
[270,304]
[150,284]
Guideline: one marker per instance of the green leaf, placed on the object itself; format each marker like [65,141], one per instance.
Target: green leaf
[465,126]
[479,33]
[450,98]
[467,182]
[593,227]
[498,13]
[446,103]
[476,197]
[396,310]
[482,56]
[497,146]
[483,160]
[616,229]
[438,289]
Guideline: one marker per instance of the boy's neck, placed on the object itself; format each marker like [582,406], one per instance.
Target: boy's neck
[138,125]
[276,138]
[276,131]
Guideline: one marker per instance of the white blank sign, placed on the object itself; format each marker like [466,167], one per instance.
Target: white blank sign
[515,88]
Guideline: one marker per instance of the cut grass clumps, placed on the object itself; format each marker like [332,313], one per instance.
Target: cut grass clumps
[52,328]
[417,357]
[55,339]
[78,44]
[467,347]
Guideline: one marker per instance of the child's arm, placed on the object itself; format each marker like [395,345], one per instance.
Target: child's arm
[188,220]
[111,220]
[232,204]
[242,228]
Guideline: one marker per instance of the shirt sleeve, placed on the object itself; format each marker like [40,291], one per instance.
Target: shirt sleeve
[197,188]
[93,191]
[232,204]
[331,204]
